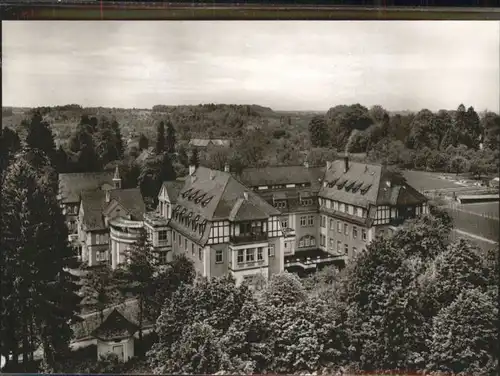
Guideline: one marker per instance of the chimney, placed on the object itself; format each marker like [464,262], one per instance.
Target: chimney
[245,195]
[108,196]
[306,164]
[192,169]
[226,168]
[328,165]
[346,162]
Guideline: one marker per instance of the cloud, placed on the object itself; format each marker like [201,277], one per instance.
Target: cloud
[285,65]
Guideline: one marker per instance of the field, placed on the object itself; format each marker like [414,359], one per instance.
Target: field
[428,181]
[486,209]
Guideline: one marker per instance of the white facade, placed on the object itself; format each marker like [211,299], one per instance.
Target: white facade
[124,349]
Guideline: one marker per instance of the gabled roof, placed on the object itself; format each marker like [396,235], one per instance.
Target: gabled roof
[145,154]
[94,205]
[368,184]
[204,142]
[115,327]
[71,185]
[282,175]
[173,189]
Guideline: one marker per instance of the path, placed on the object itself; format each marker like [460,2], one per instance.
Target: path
[460,232]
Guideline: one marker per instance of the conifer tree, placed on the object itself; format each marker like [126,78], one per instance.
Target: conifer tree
[194,160]
[41,299]
[160,138]
[170,139]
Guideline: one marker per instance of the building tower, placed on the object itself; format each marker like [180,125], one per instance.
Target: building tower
[117,181]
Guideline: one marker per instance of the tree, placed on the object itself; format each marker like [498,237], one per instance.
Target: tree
[464,335]
[458,164]
[99,289]
[194,160]
[491,130]
[197,352]
[319,156]
[136,277]
[216,302]
[42,300]
[160,138]
[61,160]
[120,148]
[318,131]
[143,142]
[155,171]
[170,141]
[383,323]
[40,136]
[457,269]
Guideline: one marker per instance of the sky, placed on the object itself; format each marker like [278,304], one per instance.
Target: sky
[285,65]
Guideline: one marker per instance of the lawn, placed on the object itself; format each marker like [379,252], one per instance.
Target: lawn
[427,181]
[488,209]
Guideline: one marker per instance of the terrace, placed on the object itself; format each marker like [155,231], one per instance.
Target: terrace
[311,260]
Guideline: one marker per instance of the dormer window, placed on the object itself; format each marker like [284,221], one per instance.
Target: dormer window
[193,195]
[341,184]
[365,189]
[356,187]
[205,203]
[350,185]
[197,200]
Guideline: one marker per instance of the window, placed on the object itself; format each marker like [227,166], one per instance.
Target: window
[180,240]
[335,205]
[363,234]
[101,256]
[346,229]
[346,249]
[303,221]
[354,232]
[339,246]
[323,221]
[354,251]
[162,258]
[307,241]
[339,226]
[200,253]
[301,243]
[284,223]
[359,212]
[322,240]
[250,254]
[332,245]
[342,207]
[241,255]
[218,256]
[270,250]
[310,220]
[162,235]
[185,244]
[332,226]
[329,204]
[192,249]
[280,204]
[260,254]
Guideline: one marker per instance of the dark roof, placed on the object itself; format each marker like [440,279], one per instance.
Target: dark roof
[115,327]
[94,205]
[71,185]
[368,184]
[173,189]
[279,175]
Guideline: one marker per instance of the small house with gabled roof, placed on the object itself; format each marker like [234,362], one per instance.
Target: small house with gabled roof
[116,336]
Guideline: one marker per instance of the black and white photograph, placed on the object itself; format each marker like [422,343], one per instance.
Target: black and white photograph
[250,197]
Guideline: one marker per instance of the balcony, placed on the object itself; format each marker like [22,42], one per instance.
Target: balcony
[248,264]
[310,260]
[248,238]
